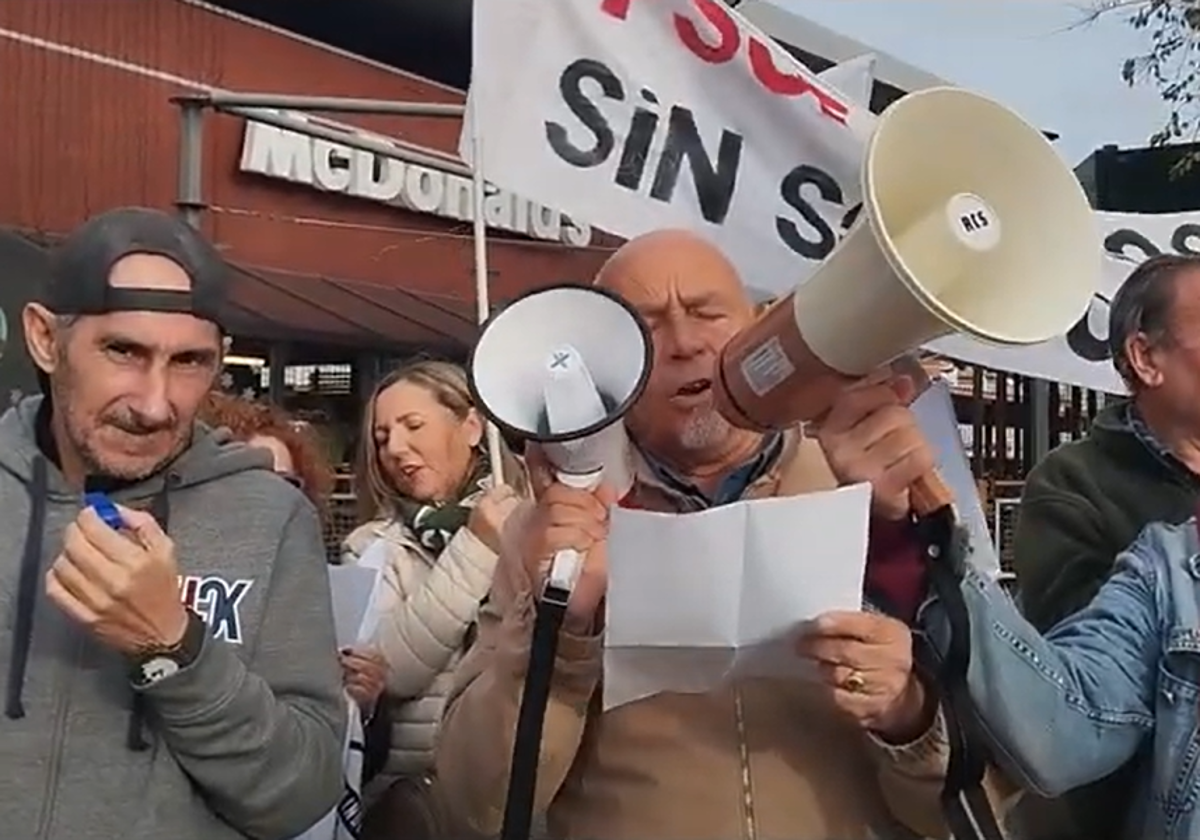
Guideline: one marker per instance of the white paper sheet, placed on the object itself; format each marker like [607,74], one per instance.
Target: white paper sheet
[698,599]
[355,590]
[374,558]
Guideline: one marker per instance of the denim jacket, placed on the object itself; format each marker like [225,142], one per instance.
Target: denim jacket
[1118,681]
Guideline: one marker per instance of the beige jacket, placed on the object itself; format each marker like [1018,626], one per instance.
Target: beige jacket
[761,760]
[428,604]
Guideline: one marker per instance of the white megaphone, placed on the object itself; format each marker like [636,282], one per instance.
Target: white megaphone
[971,223]
[561,366]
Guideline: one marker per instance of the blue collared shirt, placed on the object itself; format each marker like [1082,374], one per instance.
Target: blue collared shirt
[730,489]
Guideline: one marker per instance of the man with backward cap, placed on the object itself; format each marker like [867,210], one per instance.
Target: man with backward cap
[176,676]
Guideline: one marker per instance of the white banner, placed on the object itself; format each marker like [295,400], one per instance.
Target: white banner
[1082,356]
[643,114]
[636,115]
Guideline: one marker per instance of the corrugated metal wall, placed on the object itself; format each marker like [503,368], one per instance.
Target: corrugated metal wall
[85,104]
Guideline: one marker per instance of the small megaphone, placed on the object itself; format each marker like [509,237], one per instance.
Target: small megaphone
[970,223]
[561,366]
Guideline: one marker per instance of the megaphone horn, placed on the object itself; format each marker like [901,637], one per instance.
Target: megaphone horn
[560,366]
[971,223]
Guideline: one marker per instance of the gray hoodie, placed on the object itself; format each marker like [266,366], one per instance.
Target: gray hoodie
[247,741]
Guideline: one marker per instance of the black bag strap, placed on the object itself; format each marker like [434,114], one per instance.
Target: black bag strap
[527,746]
[968,813]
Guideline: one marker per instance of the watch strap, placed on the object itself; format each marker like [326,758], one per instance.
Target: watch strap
[149,666]
[192,643]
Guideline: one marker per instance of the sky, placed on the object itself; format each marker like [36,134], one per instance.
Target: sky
[1030,55]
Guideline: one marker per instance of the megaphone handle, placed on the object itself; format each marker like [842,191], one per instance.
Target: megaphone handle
[929,493]
[568,563]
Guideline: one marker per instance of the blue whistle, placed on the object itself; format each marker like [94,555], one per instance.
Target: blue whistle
[105,509]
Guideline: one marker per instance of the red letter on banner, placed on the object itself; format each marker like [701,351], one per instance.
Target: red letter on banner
[616,8]
[717,53]
[786,84]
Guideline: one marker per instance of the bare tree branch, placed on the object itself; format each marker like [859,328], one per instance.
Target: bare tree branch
[1170,64]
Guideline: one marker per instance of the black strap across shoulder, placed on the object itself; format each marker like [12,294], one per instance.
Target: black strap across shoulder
[527,746]
[968,813]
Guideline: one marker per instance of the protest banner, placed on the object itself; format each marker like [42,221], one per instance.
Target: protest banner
[635,115]
[1082,356]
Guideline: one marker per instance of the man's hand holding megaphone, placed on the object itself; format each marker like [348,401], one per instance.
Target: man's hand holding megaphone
[870,435]
[568,518]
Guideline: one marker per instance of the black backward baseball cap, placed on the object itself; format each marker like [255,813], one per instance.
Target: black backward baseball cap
[82,263]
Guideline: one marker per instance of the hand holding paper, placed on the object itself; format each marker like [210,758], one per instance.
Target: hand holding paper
[364,673]
[355,590]
[698,599]
[866,661]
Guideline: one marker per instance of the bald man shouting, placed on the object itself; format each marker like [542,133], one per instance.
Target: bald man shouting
[861,755]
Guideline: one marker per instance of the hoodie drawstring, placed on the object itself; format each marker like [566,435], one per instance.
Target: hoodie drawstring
[31,561]
[135,738]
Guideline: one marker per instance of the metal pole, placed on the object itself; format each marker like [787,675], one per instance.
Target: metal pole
[347,139]
[483,307]
[479,228]
[224,100]
[277,359]
[190,190]
[1039,407]
[997,521]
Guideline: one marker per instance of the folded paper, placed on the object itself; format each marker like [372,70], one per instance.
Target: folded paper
[695,600]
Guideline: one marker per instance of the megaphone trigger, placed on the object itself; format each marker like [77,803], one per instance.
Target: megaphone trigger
[568,563]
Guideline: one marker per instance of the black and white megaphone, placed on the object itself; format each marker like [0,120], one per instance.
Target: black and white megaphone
[971,223]
[560,367]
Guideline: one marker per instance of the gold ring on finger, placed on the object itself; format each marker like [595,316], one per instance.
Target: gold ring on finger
[855,682]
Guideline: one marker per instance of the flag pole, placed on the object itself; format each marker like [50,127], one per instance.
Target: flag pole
[482,298]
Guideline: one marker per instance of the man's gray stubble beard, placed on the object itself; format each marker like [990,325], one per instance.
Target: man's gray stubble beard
[92,461]
[703,428]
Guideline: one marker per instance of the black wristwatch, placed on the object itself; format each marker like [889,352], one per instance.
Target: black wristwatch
[153,666]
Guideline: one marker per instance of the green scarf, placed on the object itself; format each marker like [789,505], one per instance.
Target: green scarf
[435,524]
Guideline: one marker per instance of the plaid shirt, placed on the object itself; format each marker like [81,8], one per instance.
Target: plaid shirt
[1141,431]
[732,486]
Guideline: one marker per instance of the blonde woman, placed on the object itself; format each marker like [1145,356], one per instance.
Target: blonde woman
[426,491]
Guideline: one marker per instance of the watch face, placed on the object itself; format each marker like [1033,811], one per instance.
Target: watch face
[157,669]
